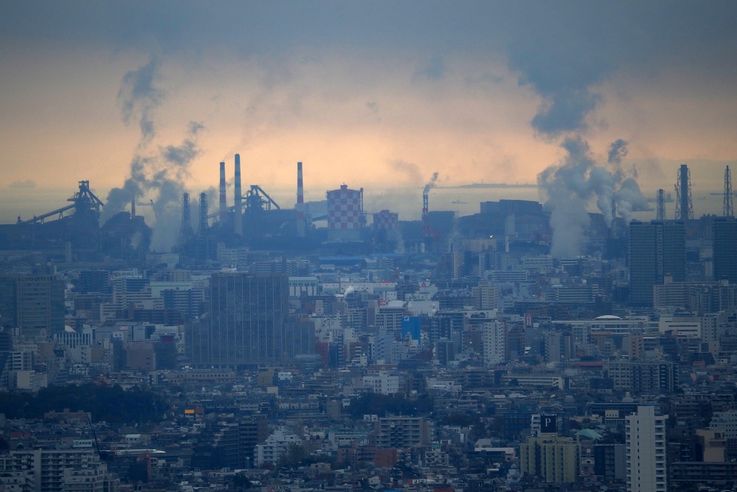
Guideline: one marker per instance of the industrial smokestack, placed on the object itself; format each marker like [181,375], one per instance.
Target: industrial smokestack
[301,220]
[426,194]
[185,230]
[727,206]
[133,207]
[237,199]
[203,214]
[300,186]
[684,207]
[660,209]
[223,201]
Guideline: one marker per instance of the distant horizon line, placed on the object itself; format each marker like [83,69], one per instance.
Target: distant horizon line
[488,185]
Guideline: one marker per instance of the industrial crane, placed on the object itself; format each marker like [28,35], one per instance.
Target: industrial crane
[83,201]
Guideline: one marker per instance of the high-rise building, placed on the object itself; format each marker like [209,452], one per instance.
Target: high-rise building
[486,296]
[8,302]
[725,249]
[247,321]
[39,305]
[656,250]
[645,451]
[495,343]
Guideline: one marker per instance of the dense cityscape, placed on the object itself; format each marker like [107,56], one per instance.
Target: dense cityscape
[333,245]
[321,347]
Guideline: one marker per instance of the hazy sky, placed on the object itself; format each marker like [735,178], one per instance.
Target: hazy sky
[373,94]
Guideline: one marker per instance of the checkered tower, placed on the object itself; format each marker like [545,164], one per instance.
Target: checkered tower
[345,209]
[386,220]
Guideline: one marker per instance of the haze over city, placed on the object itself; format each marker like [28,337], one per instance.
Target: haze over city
[479,91]
[368,245]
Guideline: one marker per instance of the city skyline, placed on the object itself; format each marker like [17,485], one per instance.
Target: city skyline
[372,245]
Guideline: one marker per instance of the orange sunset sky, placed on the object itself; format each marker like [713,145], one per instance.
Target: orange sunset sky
[373,94]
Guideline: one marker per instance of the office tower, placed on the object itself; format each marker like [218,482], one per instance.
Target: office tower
[93,281]
[247,320]
[656,250]
[389,318]
[495,343]
[39,305]
[8,302]
[672,260]
[645,451]
[725,249]
[642,262]
[486,296]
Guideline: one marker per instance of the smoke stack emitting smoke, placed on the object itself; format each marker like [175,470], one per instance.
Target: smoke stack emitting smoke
[570,186]
[431,184]
[155,173]
[426,192]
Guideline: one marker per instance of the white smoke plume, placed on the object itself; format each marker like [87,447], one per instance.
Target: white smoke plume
[570,187]
[157,174]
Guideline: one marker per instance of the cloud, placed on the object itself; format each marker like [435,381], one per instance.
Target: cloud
[24,184]
[563,52]
[433,70]
[617,151]
[409,169]
[139,95]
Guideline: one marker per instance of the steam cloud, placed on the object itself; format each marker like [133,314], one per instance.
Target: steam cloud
[578,180]
[157,175]
[139,94]
[569,187]
[409,169]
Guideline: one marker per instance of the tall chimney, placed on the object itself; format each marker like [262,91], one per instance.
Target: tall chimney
[660,209]
[185,230]
[133,207]
[203,214]
[300,186]
[237,199]
[684,206]
[301,222]
[223,201]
